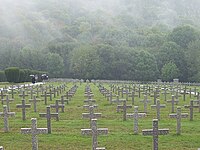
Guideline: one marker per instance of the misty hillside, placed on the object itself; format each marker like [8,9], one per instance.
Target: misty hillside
[35,34]
[37,22]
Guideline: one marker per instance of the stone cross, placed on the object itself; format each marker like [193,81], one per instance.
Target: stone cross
[127,94]
[139,91]
[155,132]
[88,106]
[195,90]
[198,103]
[89,96]
[91,114]
[89,101]
[2,95]
[7,100]
[55,91]
[34,100]
[173,101]
[145,101]
[45,95]
[117,100]
[57,106]
[34,131]
[63,100]
[197,95]
[132,95]
[23,106]
[23,95]
[48,115]
[124,107]
[50,94]
[110,96]
[177,94]
[6,114]
[165,93]
[191,106]
[158,106]
[136,116]
[94,131]
[32,92]
[37,91]
[184,92]
[178,117]
[12,91]
[190,92]
[155,96]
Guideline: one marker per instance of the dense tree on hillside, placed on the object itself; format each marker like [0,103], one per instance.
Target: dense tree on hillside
[169,72]
[55,65]
[183,35]
[171,52]
[107,39]
[85,63]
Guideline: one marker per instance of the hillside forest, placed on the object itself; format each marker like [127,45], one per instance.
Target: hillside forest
[102,39]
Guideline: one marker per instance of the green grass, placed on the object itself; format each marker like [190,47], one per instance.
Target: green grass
[66,133]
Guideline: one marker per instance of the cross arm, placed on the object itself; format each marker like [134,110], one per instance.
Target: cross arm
[103,131]
[41,131]
[88,106]
[183,115]
[26,130]
[160,131]
[21,106]
[86,131]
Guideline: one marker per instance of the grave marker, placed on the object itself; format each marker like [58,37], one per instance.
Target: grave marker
[155,132]
[23,106]
[48,115]
[173,101]
[23,95]
[178,117]
[158,106]
[6,114]
[124,107]
[57,106]
[2,95]
[34,101]
[34,131]
[94,131]
[191,106]
[7,100]
[135,117]
[145,101]
[91,115]
[45,95]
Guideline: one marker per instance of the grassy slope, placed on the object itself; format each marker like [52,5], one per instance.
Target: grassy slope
[66,133]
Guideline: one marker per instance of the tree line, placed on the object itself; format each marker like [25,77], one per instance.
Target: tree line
[101,45]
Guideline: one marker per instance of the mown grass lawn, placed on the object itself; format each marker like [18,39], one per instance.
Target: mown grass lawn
[66,133]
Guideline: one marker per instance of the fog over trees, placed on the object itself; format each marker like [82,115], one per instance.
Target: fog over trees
[102,39]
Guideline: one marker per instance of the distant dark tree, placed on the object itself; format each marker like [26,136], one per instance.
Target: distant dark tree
[183,35]
[169,72]
[85,63]
[171,52]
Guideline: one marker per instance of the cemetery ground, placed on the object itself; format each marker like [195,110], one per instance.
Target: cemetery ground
[66,133]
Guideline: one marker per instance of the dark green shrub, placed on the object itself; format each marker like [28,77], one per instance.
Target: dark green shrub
[22,76]
[27,75]
[12,74]
[2,76]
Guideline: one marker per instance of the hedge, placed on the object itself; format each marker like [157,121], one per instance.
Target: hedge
[2,76]
[12,74]
[16,75]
